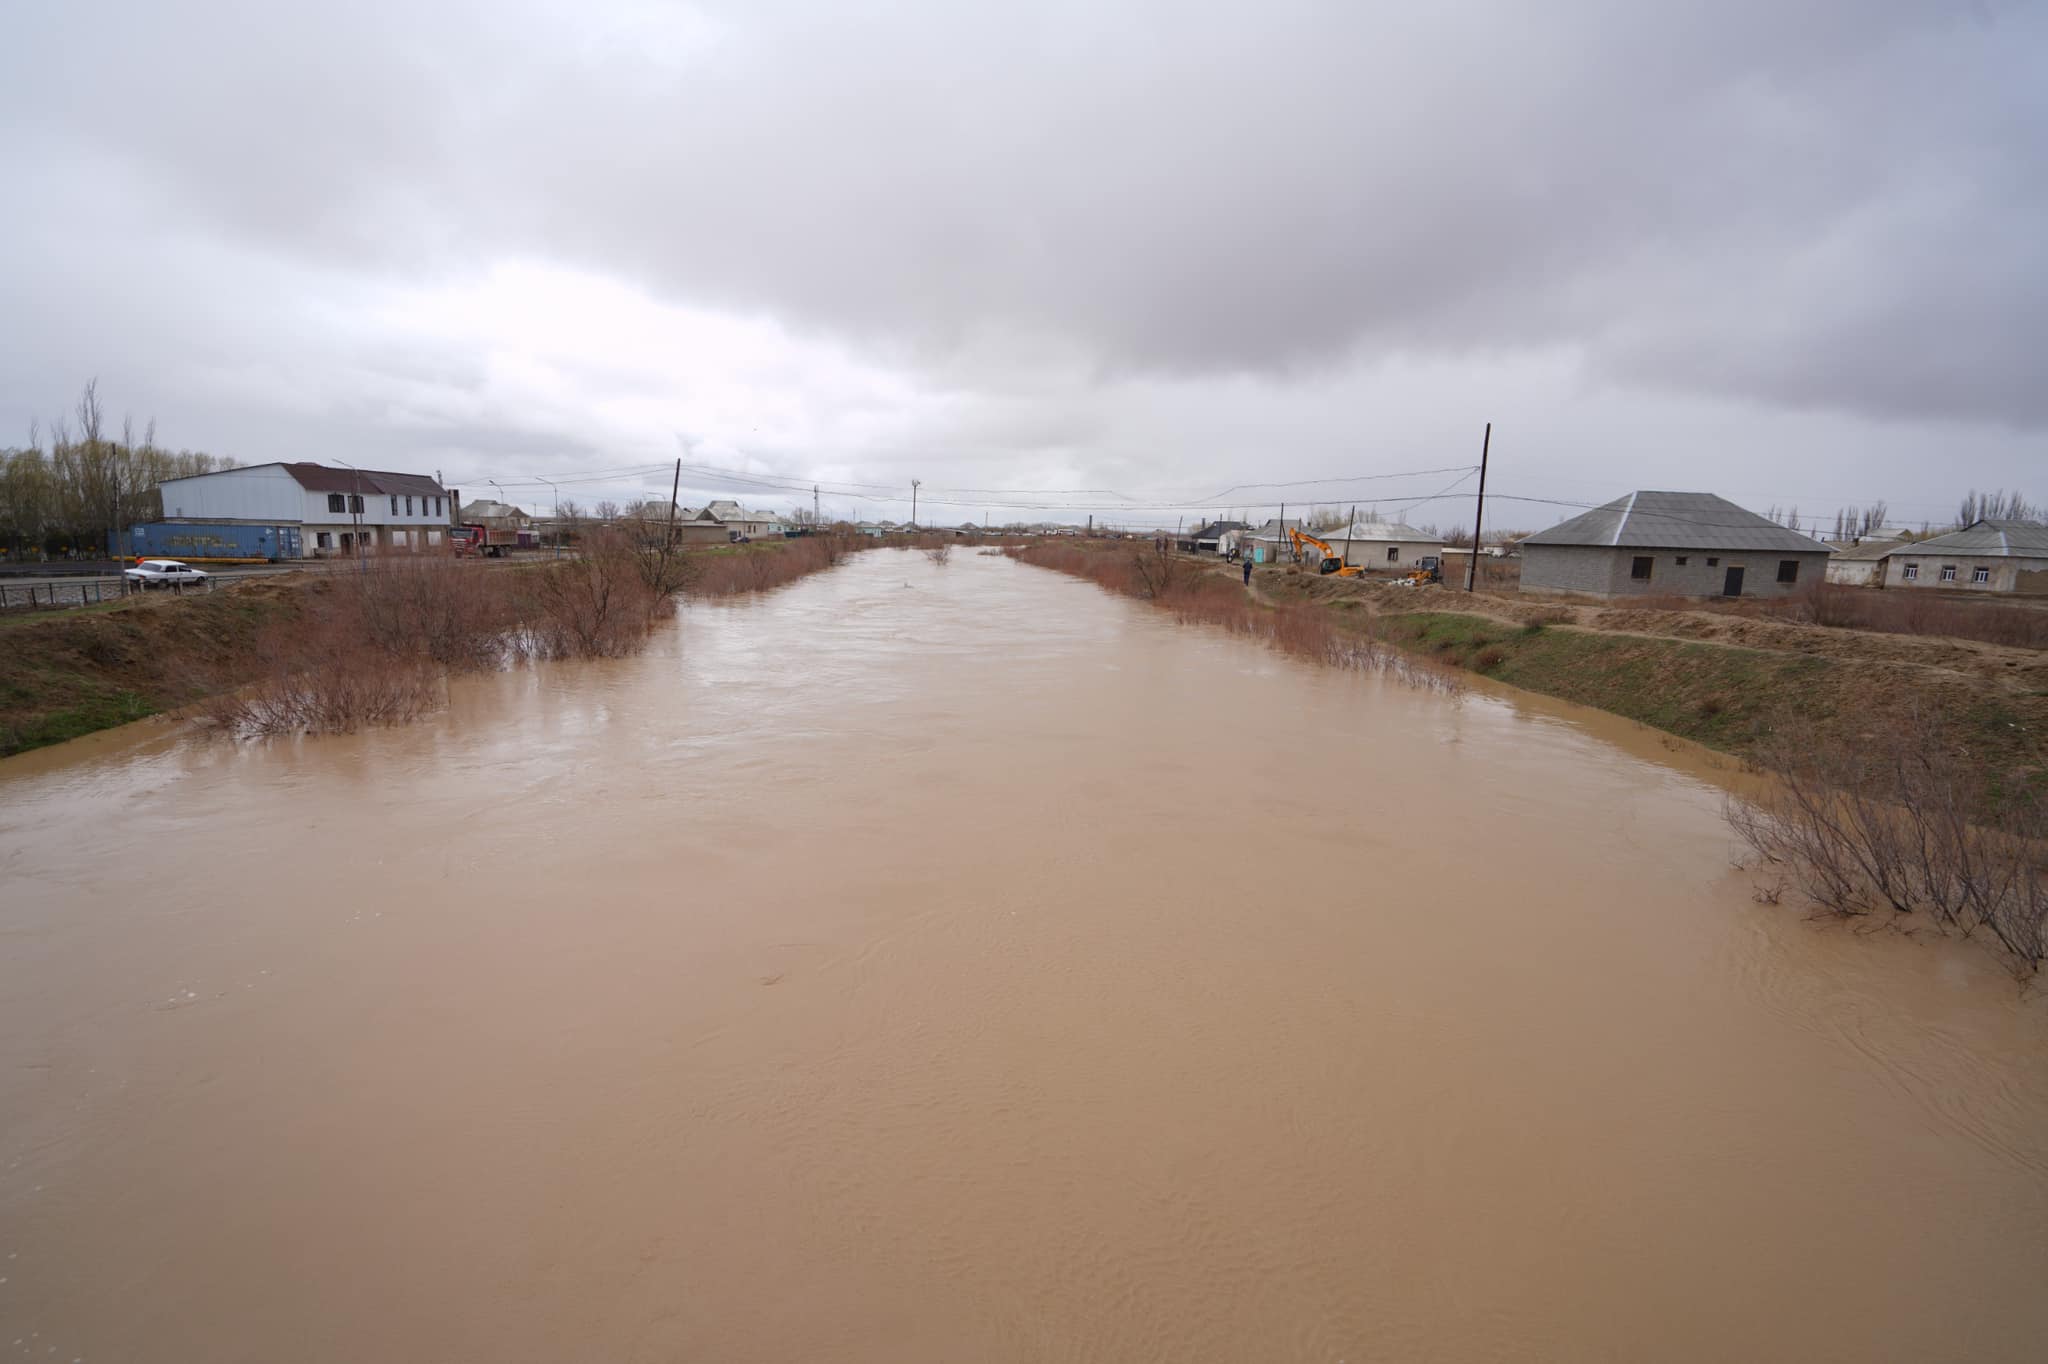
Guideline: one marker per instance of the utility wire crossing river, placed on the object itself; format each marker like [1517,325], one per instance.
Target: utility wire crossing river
[954,962]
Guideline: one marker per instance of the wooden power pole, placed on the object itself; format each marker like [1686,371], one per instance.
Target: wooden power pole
[673,489]
[1479,513]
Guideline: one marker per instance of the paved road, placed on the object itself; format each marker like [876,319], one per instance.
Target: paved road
[75,588]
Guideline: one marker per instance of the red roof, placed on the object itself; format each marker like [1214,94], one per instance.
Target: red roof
[318,478]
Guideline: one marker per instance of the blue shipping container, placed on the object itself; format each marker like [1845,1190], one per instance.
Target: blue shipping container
[197,542]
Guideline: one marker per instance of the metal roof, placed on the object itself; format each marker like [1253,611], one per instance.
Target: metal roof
[1989,539]
[318,478]
[1378,530]
[1868,549]
[1666,520]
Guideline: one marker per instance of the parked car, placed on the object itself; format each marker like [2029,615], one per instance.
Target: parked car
[164,573]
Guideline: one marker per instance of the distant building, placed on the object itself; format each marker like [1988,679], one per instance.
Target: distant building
[1387,546]
[1213,537]
[338,510]
[1861,563]
[1985,556]
[496,515]
[1270,542]
[1671,544]
[750,524]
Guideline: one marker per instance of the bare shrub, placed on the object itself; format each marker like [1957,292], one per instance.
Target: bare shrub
[756,568]
[325,680]
[429,607]
[598,605]
[1900,821]
[1914,611]
[939,553]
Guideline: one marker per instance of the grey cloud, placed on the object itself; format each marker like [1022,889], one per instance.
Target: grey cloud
[1827,206]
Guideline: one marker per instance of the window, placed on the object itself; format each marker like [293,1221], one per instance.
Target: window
[1713,561]
[335,502]
[323,540]
[394,504]
[408,506]
[1948,573]
[1788,570]
[355,502]
[437,508]
[1681,560]
[1980,574]
[1912,572]
[1393,553]
[1640,569]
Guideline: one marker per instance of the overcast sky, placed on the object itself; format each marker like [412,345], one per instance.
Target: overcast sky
[1788,252]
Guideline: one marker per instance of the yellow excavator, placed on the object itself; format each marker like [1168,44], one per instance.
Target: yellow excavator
[1332,561]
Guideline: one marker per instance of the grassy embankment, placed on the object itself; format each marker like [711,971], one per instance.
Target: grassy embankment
[65,674]
[1722,680]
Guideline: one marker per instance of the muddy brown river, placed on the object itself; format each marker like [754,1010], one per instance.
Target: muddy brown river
[957,963]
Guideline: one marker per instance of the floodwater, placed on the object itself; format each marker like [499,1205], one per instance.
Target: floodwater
[956,963]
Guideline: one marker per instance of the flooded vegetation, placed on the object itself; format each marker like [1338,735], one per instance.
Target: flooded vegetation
[1905,823]
[939,962]
[1197,595]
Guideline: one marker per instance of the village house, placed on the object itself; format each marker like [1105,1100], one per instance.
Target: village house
[494,515]
[1212,537]
[752,525]
[1384,546]
[1671,544]
[1985,556]
[1860,563]
[1270,543]
[339,510]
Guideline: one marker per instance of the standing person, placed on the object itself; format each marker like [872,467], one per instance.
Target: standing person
[1247,570]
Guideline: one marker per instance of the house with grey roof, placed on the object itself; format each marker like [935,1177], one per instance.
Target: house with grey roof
[1860,563]
[1385,546]
[1984,556]
[1671,544]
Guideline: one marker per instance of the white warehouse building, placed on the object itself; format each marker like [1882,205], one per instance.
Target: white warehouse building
[339,510]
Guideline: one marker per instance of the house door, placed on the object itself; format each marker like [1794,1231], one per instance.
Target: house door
[1732,587]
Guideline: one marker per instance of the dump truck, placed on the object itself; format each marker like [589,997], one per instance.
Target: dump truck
[476,539]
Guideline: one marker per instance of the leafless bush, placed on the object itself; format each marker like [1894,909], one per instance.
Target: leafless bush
[756,568]
[598,605]
[1914,611]
[428,607]
[320,682]
[1901,821]
[940,553]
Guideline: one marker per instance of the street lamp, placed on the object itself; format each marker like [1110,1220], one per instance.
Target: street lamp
[558,514]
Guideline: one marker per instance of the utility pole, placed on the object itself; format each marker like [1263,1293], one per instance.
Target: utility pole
[1347,534]
[915,484]
[673,488]
[1479,513]
[355,508]
[1283,540]
[814,506]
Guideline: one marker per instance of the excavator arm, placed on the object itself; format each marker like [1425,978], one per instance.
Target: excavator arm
[1332,562]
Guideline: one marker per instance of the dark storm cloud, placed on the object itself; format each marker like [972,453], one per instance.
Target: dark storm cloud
[1040,215]
[1810,204]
